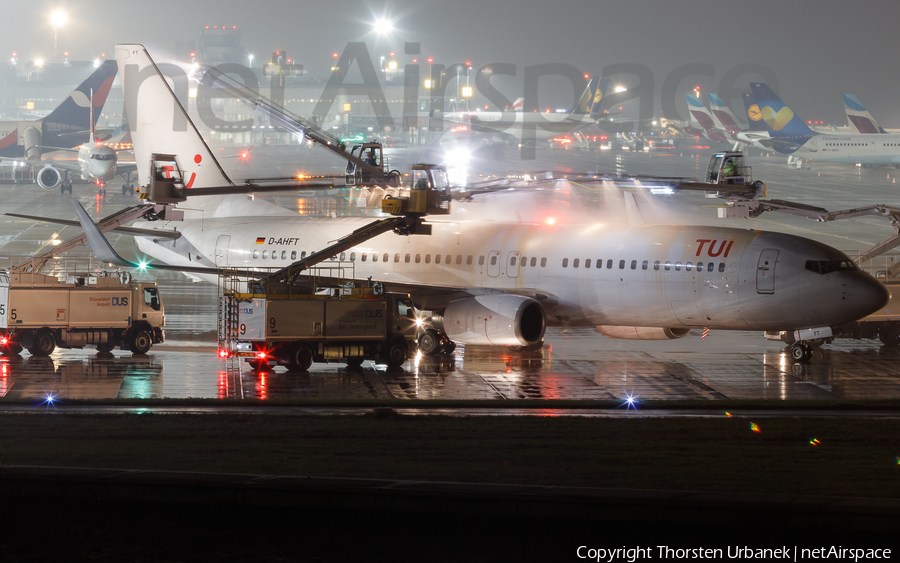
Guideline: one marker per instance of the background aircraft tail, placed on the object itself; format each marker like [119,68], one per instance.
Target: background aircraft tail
[599,93]
[723,114]
[754,116]
[779,119]
[700,114]
[518,104]
[859,117]
[75,110]
[160,124]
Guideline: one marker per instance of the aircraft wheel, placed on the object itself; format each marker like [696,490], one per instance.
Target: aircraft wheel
[448,347]
[124,189]
[529,348]
[44,343]
[801,352]
[430,342]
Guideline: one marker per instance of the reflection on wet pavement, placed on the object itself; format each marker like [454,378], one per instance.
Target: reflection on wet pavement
[579,364]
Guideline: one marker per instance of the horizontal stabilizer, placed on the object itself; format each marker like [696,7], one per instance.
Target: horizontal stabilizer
[130,231]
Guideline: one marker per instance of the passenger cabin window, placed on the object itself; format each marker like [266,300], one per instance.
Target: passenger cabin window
[710,267]
[677,266]
[656,265]
[428,258]
[565,262]
[722,267]
[384,258]
[621,264]
[459,260]
[255,254]
[469,260]
[265,254]
[343,256]
[406,259]
[644,265]
[668,265]
[293,255]
[688,266]
[396,257]
[481,260]
[543,262]
[437,258]
[493,260]
[634,264]
[274,255]
[151,298]
[575,263]
[533,261]
[375,257]
[303,255]
[353,257]
[447,260]
[599,263]
[512,260]
[363,257]
[699,266]
[418,258]
[609,264]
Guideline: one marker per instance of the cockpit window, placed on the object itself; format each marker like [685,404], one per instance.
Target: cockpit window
[828,266]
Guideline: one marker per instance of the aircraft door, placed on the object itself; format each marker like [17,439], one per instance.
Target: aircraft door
[765,271]
[222,244]
[512,264]
[493,263]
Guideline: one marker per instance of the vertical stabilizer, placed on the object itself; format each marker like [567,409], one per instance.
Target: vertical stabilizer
[859,117]
[701,115]
[754,116]
[599,93]
[159,123]
[779,119]
[723,115]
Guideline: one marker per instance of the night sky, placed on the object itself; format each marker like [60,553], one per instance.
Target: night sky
[818,49]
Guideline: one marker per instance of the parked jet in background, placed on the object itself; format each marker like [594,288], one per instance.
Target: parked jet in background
[791,136]
[861,121]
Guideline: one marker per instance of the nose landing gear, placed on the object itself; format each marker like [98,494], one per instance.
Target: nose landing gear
[801,351]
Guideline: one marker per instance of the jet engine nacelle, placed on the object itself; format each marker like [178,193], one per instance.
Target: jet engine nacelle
[495,320]
[49,177]
[642,332]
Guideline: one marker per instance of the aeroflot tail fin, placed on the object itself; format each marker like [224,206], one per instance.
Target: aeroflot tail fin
[859,117]
[779,119]
[75,110]
[159,123]
[754,116]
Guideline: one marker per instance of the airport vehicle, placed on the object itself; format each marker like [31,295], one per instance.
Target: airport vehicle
[268,324]
[491,282]
[791,136]
[96,162]
[40,313]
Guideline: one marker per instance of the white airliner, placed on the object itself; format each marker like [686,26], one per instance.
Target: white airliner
[499,283]
[97,163]
[791,136]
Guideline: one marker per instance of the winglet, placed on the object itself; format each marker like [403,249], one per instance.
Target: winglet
[99,245]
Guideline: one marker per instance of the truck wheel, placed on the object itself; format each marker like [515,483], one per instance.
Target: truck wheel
[141,342]
[44,343]
[395,353]
[301,358]
[430,342]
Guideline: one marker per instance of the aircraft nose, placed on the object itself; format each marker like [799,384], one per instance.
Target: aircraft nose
[866,294]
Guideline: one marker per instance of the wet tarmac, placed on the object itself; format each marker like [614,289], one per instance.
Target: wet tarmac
[575,364]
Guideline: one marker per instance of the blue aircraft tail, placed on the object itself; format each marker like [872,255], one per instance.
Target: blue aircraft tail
[599,93]
[780,120]
[74,113]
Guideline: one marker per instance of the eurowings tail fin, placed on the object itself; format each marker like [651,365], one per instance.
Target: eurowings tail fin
[859,117]
[723,114]
[701,115]
[779,119]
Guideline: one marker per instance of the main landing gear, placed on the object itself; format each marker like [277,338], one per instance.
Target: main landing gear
[801,352]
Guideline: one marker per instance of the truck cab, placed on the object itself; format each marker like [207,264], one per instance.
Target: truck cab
[728,168]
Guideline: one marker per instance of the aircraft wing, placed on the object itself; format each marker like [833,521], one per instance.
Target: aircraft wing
[131,231]
[68,166]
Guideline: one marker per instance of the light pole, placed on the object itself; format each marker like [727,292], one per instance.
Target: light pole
[57,19]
